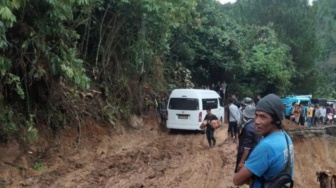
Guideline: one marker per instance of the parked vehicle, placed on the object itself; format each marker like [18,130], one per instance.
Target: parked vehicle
[186,108]
[320,101]
[296,99]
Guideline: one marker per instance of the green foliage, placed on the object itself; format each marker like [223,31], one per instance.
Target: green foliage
[14,81]
[6,14]
[294,23]
[267,65]
[8,127]
[7,19]
[38,44]
[325,64]
[133,48]
[6,11]
[181,77]
[207,44]
[38,166]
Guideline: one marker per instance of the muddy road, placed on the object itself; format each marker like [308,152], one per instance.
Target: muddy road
[148,157]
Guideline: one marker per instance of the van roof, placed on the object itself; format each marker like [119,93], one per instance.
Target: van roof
[193,93]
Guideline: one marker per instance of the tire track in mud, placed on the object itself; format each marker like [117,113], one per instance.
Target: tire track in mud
[167,161]
[144,158]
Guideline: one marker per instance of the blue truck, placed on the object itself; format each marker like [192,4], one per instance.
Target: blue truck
[295,99]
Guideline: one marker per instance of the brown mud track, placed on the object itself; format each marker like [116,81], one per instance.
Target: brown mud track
[150,157]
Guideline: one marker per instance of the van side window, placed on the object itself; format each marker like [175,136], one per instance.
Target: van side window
[183,104]
[212,102]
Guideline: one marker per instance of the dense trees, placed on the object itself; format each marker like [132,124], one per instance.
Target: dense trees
[294,23]
[53,51]
[326,63]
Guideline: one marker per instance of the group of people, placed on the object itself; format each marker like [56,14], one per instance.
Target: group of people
[220,88]
[313,115]
[265,150]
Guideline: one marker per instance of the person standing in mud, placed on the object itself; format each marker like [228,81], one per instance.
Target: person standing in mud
[303,115]
[234,121]
[271,154]
[296,112]
[317,115]
[163,110]
[310,113]
[210,122]
[248,139]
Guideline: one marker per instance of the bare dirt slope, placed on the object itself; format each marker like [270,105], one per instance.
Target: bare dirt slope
[150,157]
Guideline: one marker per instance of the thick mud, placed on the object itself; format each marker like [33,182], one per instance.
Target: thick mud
[148,157]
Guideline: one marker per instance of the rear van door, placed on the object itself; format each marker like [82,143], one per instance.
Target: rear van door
[184,110]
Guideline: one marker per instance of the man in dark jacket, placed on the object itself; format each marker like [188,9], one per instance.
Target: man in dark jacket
[248,139]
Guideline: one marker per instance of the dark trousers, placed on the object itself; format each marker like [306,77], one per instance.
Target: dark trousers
[233,128]
[316,121]
[210,136]
[302,120]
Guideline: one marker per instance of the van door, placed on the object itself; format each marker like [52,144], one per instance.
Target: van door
[184,111]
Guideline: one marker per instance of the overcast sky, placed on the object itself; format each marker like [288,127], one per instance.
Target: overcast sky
[232,1]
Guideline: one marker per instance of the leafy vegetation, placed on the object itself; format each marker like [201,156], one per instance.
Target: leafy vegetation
[61,61]
[38,166]
[326,63]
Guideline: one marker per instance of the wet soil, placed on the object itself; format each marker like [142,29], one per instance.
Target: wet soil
[147,157]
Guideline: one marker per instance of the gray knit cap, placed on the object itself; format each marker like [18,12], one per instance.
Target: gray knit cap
[272,104]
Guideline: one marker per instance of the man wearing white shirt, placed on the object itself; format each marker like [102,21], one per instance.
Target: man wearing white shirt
[234,121]
[323,112]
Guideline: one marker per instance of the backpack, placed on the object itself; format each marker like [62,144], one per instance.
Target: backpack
[281,180]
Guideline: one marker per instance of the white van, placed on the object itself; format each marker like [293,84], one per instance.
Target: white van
[186,108]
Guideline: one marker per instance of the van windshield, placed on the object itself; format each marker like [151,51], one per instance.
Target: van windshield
[183,104]
[305,103]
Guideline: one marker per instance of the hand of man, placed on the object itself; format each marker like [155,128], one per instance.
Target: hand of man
[240,165]
[249,181]
[204,123]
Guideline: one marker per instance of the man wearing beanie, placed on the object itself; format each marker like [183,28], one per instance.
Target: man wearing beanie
[275,150]
[248,139]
